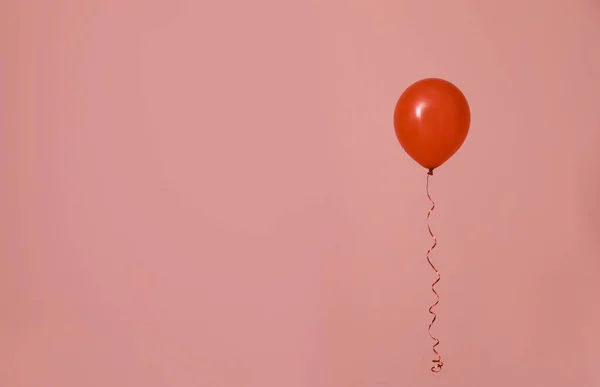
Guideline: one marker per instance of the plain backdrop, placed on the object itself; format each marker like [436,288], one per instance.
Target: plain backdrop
[210,193]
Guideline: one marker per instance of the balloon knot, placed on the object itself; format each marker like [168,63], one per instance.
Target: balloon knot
[430,173]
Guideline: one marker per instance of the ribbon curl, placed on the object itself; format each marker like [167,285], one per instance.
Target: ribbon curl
[437,367]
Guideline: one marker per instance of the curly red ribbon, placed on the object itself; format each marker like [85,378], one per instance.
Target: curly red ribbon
[438,361]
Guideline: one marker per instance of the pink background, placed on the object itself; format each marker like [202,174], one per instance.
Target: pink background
[210,193]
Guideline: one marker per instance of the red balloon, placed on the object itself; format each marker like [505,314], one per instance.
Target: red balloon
[432,119]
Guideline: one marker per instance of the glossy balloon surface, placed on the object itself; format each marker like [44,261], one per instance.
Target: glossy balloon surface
[431,120]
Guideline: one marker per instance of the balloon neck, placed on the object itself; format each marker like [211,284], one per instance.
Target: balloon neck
[430,173]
